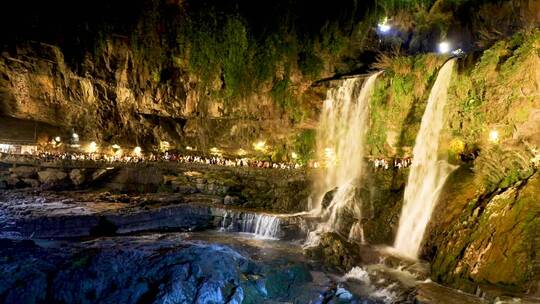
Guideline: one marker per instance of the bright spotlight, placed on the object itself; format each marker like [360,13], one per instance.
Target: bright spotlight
[294,155]
[164,146]
[260,146]
[241,152]
[57,139]
[75,136]
[444,47]
[494,136]
[137,150]
[92,147]
[383,26]
[116,147]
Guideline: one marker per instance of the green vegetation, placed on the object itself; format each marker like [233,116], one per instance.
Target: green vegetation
[398,102]
[304,145]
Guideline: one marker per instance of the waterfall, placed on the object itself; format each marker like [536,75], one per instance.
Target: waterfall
[340,150]
[427,174]
[262,225]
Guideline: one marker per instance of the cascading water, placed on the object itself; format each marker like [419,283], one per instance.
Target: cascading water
[427,174]
[340,148]
[262,225]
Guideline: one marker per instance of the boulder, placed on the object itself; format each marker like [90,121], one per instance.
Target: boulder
[24,171]
[231,200]
[168,179]
[14,182]
[52,177]
[31,182]
[77,176]
[335,251]
[100,174]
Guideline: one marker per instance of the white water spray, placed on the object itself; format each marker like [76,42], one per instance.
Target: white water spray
[262,225]
[340,149]
[428,174]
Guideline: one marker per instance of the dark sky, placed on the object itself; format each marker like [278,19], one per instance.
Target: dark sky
[58,21]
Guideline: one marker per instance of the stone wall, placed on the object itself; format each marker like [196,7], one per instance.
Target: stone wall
[267,189]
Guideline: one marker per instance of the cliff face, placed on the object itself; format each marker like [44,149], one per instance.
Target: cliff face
[217,73]
[483,232]
[179,72]
[110,103]
[117,99]
[488,239]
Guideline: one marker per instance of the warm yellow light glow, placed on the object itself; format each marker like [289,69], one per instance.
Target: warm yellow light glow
[294,155]
[57,139]
[116,147]
[189,148]
[241,152]
[75,136]
[92,147]
[137,151]
[457,146]
[494,136]
[215,151]
[164,146]
[260,145]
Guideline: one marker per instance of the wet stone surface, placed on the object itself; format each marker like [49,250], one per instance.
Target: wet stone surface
[164,268]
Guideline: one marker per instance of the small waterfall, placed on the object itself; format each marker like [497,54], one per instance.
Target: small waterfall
[340,149]
[427,174]
[262,225]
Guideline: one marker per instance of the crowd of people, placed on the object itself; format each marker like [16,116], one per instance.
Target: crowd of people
[385,164]
[217,160]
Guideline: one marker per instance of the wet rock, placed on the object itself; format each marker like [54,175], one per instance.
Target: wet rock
[163,199]
[77,176]
[335,251]
[148,269]
[328,197]
[15,182]
[34,183]
[136,179]
[280,282]
[479,239]
[100,174]
[431,293]
[52,177]
[382,198]
[231,200]
[181,188]
[343,294]
[24,171]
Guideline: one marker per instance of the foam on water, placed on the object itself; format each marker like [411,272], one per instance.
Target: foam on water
[386,294]
[261,225]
